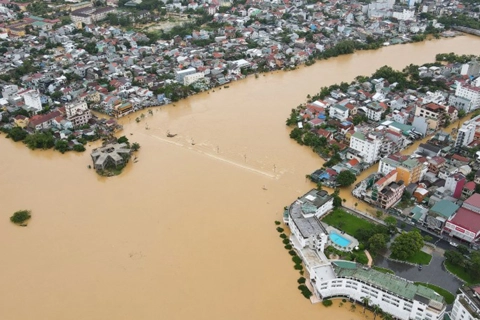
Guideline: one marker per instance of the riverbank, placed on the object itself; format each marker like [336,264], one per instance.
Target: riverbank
[187,232]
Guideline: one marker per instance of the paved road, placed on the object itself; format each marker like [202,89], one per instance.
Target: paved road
[434,273]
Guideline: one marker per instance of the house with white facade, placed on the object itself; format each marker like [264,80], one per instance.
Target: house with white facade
[78,113]
[466,134]
[337,111]
[374,111]
[191,78]
[367,146]
[181,74]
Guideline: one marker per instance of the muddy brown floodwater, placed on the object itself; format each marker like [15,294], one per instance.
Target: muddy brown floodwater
[187,232]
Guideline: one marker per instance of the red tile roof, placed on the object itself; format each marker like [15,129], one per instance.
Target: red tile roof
[353,162]
[469,185]
[473,200]
[460,158]
[467,219]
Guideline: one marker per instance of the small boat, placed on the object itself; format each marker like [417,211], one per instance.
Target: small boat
[171,135]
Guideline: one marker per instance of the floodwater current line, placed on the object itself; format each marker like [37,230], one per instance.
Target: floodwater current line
[178,144]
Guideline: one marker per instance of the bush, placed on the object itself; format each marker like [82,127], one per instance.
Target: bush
[277,223]
[292,252]
[279,229]
[286,241]
[327,302]
[17,134]
[344,300]
[298,267]
[122,139]
[288,247]
[135,146]
[305,291]
[21,216]
[79,148]
[301,280]
[283,236]
[297,259]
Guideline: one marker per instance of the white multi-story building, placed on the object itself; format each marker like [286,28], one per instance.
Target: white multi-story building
[404,15]
[465,134]
[470,93]
[191,78]
[181,74]
[339,112]
[9,91]
[467,304]
[386,165]
[90,14]
[374,111]
[304,214]
[78,113]
[32,100]
[471,68]
[367,145]
[394,295]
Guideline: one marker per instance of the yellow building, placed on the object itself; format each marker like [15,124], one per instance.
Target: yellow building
[94,97]
[121,110]
[21,121]
[409,171]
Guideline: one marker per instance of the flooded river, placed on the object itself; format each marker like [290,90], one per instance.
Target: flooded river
[187,232]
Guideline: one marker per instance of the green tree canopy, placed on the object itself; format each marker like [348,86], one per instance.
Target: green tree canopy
[21,216]
[407,244]
[17,134]
[61,145]
[377,243]
[346,178]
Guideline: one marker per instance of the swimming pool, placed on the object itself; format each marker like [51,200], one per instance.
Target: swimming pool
[338,239]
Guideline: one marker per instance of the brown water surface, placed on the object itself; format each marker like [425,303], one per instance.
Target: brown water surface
[187,232]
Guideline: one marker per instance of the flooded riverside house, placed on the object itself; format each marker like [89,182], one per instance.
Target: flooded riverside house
[110,155]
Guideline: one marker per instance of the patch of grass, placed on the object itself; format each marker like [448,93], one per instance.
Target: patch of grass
[383,270]
[461,273]
[361,257]
[418,258]
[449,297]
[346,222]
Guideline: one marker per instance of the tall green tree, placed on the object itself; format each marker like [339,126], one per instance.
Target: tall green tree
[407,244]
[346,178]
[377,243]
[365,302]
[17,134]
